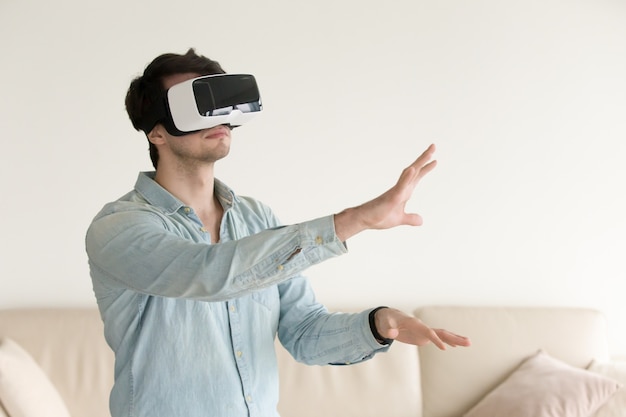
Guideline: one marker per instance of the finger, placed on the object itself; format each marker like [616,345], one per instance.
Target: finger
[434,337]
[425,170]
[419,171]
[392,334]
[407,177]
[424,157]
[412,175]
[453,339]
[461,341]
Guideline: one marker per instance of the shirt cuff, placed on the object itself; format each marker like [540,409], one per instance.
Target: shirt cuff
[320,235]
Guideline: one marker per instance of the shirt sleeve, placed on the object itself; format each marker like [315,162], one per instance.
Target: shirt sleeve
[314,336]
[133,250]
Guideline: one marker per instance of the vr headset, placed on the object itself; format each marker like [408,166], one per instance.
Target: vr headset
[205,102]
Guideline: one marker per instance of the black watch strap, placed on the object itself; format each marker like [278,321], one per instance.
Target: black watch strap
[377,336]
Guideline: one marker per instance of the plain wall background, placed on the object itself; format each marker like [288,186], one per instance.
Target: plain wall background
[526,102]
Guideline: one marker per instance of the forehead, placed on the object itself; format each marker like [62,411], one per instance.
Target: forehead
[174,79]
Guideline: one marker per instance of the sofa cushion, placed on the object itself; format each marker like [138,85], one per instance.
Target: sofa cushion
[25,391]
[616,405]
[544,387]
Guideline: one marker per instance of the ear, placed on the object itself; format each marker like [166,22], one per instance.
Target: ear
[157,134]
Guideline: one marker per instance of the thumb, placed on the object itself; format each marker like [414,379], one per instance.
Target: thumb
[413,219]
[392,333]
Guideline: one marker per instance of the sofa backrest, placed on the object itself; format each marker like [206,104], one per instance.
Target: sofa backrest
[386,385]
[69,346]
[502,337]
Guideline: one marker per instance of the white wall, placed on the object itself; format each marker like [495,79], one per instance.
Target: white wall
[526,102]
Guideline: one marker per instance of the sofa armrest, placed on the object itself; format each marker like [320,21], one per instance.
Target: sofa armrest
[69,346]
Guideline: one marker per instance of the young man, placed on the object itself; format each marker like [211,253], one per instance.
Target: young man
[194,282]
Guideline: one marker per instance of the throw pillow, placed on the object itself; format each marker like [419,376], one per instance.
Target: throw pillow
[25,390]
[543,386]
[616,406]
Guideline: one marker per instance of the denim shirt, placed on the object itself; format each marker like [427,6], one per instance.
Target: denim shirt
[193,324]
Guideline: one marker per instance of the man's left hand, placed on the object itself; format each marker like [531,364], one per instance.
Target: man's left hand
[395,324]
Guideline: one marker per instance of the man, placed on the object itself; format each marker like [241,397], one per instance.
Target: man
[194,282]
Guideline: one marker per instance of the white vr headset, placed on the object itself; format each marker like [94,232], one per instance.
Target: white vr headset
[205,102]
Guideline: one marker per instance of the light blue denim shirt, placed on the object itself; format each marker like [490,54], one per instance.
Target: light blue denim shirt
[193,324]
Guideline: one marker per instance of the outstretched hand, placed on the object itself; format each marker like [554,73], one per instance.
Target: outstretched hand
[395,324]
[388,209]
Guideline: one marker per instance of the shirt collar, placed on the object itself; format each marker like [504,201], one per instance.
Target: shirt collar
[158,196]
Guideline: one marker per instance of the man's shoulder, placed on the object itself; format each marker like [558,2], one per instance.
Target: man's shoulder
[255,211]
[130,202]
[252,203]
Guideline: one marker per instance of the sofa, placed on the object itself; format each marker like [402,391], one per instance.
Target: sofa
[524,361]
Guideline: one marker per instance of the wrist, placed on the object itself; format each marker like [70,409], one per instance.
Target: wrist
[375,326]
[348,223]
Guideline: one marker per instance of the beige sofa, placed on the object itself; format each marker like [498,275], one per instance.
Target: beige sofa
[67,344]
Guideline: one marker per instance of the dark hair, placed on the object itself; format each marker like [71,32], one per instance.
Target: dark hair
[147,88]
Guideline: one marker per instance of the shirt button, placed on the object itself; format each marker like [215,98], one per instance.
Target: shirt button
[203,229]
[249,398]
[319,240]
[280,267]
[187,210]
[239,354]
[232,309]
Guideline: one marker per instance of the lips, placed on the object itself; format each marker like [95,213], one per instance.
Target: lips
[217,132]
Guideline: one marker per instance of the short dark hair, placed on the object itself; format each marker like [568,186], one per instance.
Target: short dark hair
[148,87]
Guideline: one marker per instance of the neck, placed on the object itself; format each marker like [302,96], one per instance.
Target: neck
[194,187]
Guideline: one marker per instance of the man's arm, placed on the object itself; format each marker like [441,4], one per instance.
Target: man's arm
[387,210]
[131,248]
[134,250]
